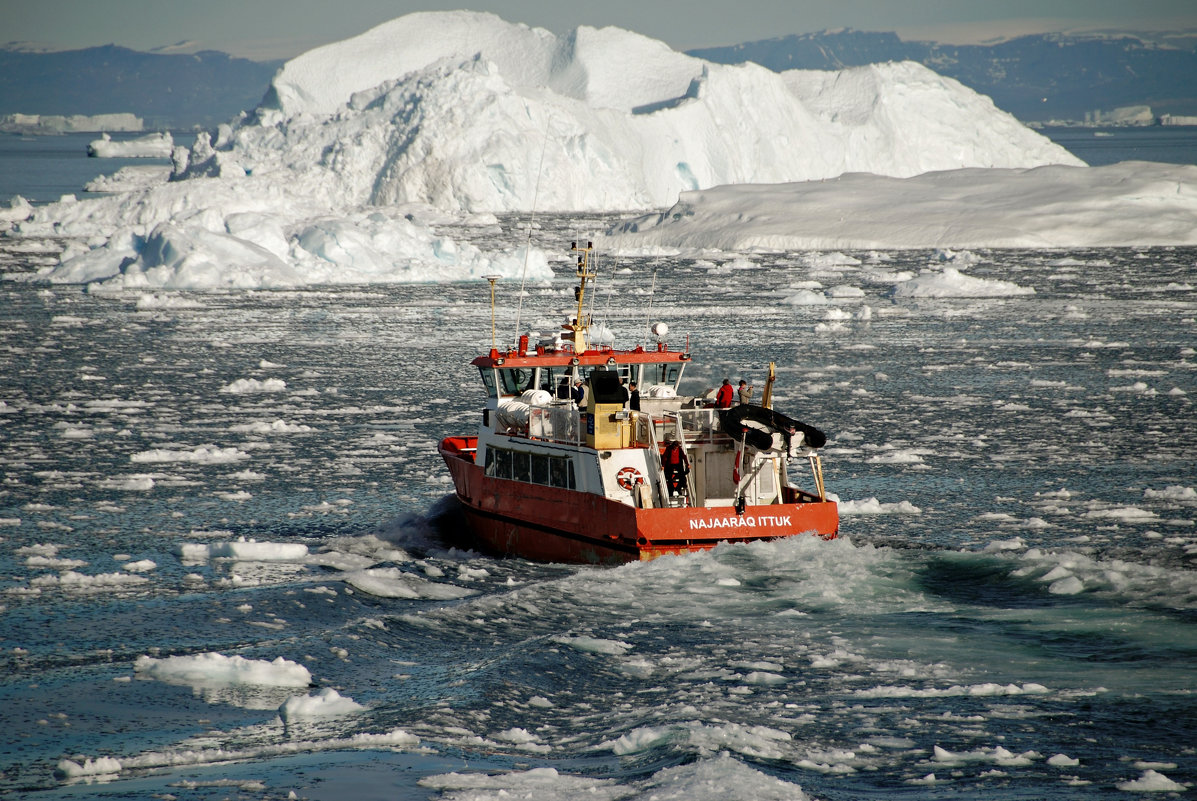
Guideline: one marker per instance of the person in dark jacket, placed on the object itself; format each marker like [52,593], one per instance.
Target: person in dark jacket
[676,467]
[634,397]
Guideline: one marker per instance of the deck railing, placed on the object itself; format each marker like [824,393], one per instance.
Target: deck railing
[556,424]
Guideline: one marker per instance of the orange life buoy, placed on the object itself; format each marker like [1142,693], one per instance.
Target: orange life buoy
[628,477]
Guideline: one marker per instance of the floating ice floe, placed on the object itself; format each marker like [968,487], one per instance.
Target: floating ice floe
[154,145]
[327,703]
[243,386]
[201,454]
[214,669]
[245,550]
[83,583]
[951,283]
[997,755]
[1175,492]
[872,506]
[274,427]
[596,645]
[1152,781]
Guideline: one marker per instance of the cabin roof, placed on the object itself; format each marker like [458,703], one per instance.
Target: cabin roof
[594,357]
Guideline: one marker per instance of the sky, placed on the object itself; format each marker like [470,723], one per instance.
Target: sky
[269,29]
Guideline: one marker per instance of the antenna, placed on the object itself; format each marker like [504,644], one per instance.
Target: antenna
[651,292]
[492,279]
[531,221]
[607,319]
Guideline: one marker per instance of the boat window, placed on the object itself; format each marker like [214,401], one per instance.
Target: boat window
[533,468]
[514,380]
[520,467]
[662,374]
[540,469]
[764,482]
[502,464]
[555,382]
[558,472]
[488,378]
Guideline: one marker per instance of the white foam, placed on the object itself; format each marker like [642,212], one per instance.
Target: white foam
[715,778]
[68,768]
[391,582]
[956,690]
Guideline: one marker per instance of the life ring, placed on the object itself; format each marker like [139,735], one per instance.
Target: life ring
[628,477]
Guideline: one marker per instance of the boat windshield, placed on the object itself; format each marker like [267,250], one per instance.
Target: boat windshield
[667,374]
[515,380]
[488,378]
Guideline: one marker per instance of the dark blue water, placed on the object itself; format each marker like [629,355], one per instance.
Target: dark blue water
[1173,144]
[42,169]
[1010,614]
[1023,627]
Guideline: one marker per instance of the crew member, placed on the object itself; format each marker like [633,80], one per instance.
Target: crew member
[725,395]
[634,398]
[676,467]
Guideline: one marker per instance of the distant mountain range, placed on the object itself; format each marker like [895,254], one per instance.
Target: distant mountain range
[167,90]
[1040,78]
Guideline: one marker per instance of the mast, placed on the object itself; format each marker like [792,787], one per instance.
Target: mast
[581,324]
[767,394]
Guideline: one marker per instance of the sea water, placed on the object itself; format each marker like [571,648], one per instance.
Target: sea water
[42,169]
[225,564]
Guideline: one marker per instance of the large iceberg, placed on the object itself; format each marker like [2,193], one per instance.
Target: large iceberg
[1129,203]
[359,147]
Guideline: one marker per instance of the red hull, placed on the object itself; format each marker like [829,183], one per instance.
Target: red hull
[559,525]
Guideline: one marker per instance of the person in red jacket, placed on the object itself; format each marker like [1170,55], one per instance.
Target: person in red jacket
[723,398]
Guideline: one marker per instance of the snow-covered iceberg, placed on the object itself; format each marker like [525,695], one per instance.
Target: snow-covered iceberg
[1130,203]
[150,146]
[360,147]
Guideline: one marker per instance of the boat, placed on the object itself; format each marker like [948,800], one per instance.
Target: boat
[568,466]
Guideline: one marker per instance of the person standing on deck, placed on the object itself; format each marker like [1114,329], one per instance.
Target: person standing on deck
[744,392]
[634,397]
[725,395]
[676,466]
